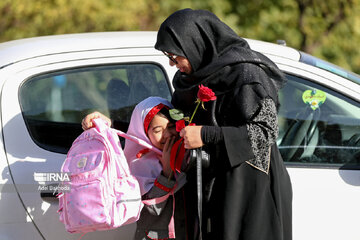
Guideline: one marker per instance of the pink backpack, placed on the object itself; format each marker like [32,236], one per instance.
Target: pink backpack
[103,194]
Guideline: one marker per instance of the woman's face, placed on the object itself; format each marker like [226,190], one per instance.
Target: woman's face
[160,129]
[182,64]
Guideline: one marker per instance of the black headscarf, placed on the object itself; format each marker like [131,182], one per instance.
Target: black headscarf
[214,51]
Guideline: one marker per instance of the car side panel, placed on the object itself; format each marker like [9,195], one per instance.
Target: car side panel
[26,158]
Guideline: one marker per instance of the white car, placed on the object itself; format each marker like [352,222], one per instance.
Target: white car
[48,84]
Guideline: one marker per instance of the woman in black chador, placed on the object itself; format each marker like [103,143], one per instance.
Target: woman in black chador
[247,190]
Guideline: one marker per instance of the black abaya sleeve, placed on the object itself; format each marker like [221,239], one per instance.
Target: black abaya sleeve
[250,142]
[237,145]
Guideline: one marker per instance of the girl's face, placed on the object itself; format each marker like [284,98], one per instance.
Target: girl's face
[160,129]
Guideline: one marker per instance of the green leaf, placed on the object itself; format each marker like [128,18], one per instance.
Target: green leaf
[176,114]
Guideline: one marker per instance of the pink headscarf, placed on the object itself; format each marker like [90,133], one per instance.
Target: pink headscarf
[147,167]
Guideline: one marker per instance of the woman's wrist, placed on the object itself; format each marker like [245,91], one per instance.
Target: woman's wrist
[211,134]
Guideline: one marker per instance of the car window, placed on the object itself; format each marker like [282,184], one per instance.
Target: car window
[54,104]
[318,126]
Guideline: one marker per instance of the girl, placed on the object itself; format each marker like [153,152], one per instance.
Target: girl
[150,121]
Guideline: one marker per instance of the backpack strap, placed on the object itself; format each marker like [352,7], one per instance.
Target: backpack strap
[137,140]
[101,126]
[180,181]
[153,201]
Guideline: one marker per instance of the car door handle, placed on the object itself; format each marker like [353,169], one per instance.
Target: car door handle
[49,190]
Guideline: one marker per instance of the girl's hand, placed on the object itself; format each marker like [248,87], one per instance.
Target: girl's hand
[192,137]
[87,121]
[165,158]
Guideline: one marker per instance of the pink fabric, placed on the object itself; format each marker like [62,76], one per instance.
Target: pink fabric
[103,194]
[147,168]
[106,187]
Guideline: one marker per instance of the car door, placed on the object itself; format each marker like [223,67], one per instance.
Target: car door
[320,143]
[43,104]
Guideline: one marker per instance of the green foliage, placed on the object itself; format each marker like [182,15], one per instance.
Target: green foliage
[327,29]
[27,18]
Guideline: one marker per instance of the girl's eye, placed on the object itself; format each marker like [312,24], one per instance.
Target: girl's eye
[157,130]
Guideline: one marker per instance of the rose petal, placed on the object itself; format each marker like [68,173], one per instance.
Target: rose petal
[180,125]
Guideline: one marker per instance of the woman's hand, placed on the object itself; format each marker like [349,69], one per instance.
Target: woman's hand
[192,137]
[165,158]
[87,121]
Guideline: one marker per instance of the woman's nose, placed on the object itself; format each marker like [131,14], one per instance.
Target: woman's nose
[171,63]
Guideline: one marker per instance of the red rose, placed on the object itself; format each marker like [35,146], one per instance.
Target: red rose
[205,94]
[180,125]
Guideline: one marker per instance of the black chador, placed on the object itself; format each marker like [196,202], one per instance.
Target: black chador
[247,190]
